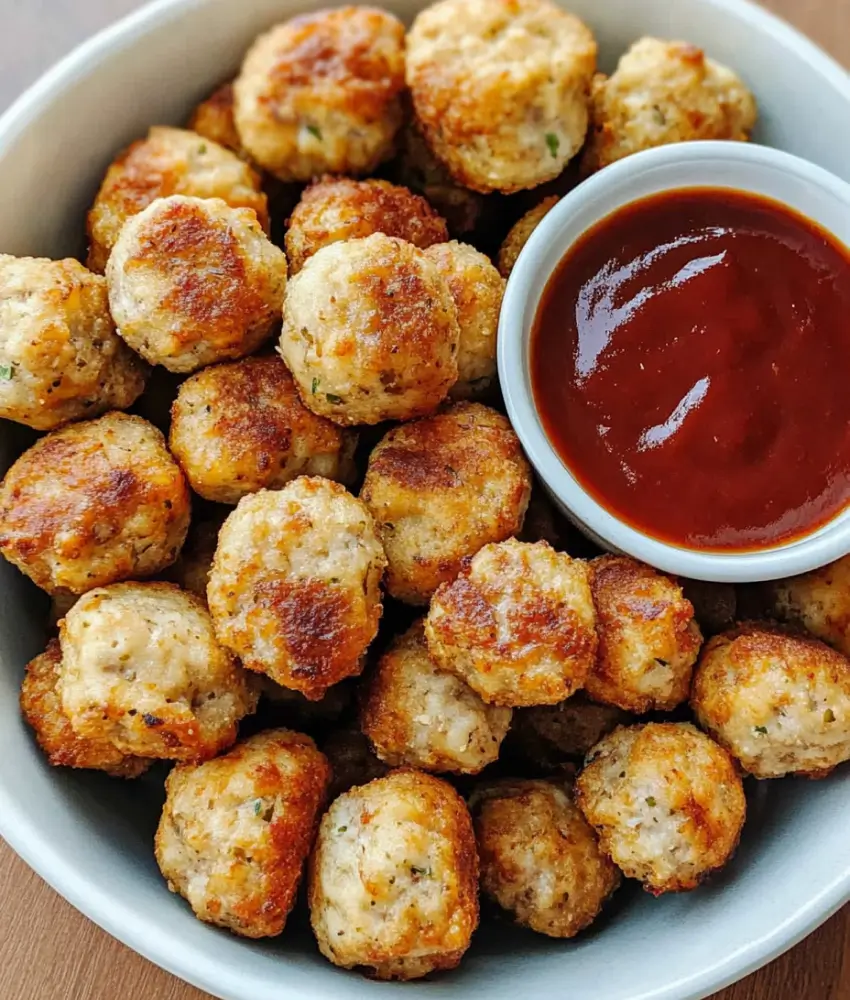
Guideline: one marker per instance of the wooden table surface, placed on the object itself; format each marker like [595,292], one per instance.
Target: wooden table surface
[48,951]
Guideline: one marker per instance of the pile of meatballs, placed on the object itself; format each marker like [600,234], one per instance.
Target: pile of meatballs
[310,567]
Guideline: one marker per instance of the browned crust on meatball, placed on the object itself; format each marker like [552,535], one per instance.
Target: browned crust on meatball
[98,498]
[622,593]
[316,620]
[211,290]
[334,209]
[42,708]
[732,660]
[461,449]
[322,46]
[213,119]
[143,172]
[516,821]
[536,621]
[281,858]
[257,417]
[653,747]
[442,811]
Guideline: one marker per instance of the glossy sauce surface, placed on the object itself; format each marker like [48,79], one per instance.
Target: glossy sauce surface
[690,361]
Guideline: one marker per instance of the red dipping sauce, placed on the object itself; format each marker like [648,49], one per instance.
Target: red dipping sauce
[690,361]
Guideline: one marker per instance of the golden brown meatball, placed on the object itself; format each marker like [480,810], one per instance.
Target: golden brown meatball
[213,119]
[93,503]
[60,358]
[777,700]
[666,801]
[648,639]
[169,161]
[477,289]
[547,735]
[370,332]
[352,760]
[41,706]
[336,209]
[520,234]
[295,585]
[418,169]
[235,832]
[500,88]
[193,281]
[664,92]
[393,884]
[241,427]
[539,858]
[441,488]
[818,601]
[142,668]
[416,714]
[517,624]
[320,93]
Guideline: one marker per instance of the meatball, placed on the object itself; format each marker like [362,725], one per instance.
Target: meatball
[295,585]
[169,161]
[192,569]
[777,700]
[477,289]
[213,119]
[60,358]
[393,884]
[352,760]
[666,801]
[320,93]
[142,668]
[517,624]
[547,735]
[539,859]
[336,209]
[370,332]
[500,89]
[416,714]
[664,92]
[818,601]
[648,639]
[520,234]
[41,706]
[94,503]
[441,488]
[241,427]
[235,832]
[193,281]
[417,168]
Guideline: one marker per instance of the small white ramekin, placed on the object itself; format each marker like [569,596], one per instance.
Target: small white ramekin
[797,183]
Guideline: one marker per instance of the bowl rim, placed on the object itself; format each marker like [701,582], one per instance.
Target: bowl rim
[117,917]
[600,196]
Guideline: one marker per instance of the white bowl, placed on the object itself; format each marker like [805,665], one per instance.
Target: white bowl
[814,192]
[91,838]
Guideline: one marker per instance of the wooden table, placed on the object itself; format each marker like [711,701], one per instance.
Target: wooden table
[48,951]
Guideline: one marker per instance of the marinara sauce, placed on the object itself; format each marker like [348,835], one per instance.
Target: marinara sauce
[690,361]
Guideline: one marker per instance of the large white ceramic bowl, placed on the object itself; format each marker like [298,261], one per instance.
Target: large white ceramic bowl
[91,838]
